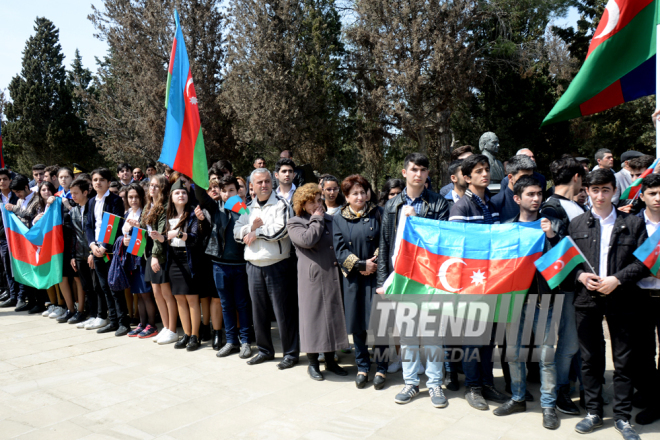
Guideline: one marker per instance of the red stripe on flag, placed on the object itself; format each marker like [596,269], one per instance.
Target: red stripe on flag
[626,11]
[555,267]
[464,275]
[191,125]
[652,257]
[108,230]
[608,98]
[23,250]
[171,66]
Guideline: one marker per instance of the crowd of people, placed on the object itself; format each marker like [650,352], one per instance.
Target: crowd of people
[312,255]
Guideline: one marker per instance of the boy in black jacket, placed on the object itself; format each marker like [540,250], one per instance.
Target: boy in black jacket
[607,239]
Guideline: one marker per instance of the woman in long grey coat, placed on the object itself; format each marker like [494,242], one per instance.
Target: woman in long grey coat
[322,324]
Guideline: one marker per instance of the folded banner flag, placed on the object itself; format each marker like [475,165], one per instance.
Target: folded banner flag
[648,253]
[559,261]
[109,228]
[183,146]
[633,190]
[37,254]
[138,242]
[236,204]
[620,63]
[462,258]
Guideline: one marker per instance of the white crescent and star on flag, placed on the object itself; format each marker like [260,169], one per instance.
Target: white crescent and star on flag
[478,277]
[613,14]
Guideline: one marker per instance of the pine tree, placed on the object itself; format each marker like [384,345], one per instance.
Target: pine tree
[40,118]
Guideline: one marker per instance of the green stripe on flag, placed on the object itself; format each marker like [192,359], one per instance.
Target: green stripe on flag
[143,244]
[557,279]
[199,168]
[167,89]
[39,277]
[656,268]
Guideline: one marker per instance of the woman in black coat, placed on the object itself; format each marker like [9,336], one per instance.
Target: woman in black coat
[356,237]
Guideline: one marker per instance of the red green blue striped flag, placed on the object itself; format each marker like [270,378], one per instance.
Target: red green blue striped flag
[648,253]
[37,254]
[236,204]
[558,262]
[138,242]
[620,63]
[183,146]
[109,228]
[633,190]
[439,257]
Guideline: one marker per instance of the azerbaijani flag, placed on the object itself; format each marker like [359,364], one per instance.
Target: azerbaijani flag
[620,64]
[236,204]
[439,257]
[138,242]
[633,190]
[109,228]
[183,146]
[37,254]
[648,253]
[559,261]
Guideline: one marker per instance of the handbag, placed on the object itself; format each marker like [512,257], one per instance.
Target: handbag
[117,278]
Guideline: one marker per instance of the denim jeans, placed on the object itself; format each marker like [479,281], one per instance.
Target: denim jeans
[567,340]
[362,354]
[546,363]
[411,359]
[231,284]
[478,365]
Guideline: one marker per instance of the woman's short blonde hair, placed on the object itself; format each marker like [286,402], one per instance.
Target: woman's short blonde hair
[304,194]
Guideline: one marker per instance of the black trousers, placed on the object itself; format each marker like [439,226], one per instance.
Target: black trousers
[592,349]
[117,309]
[14,288]
[645,377]
[275,287]
[95,303]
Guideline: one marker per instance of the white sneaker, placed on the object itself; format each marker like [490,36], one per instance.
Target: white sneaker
[58,312]
[48,311]
[98,323]
[91,322]
[421,368]
[169,338]
[85,322]
[161,334]
[395,365]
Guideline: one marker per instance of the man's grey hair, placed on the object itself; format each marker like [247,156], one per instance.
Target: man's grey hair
[519,152]
[600,154]
[520,162]
[260,171]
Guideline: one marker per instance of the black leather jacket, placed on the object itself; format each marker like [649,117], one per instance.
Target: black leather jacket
[435,207]
[79,248]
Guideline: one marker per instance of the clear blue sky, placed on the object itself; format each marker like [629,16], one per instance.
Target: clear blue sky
[69,16]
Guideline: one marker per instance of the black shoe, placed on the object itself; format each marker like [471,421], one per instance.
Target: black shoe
[22,306]
[509,407]
[227,350]
[122,330]
[8,303]
[627,431]
[205,332]
[181,343]
[77,318]
[475,399]
[453,384]
[648,415]
[108,328]
[564,402]
[36,309]
[361,380]
[259,359]
[4,296]
[335,368]
[193,344]
[287,363]
[64,318]
[550,419]
[314,372]
[490,393]
[379,382]
[217,339]
[589,423]
[640,400]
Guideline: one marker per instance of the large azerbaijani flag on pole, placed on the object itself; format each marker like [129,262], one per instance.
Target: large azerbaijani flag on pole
[439,257]
[37,254]
[183,146]
[620,64]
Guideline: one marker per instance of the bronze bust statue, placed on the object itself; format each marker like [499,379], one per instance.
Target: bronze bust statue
[489,144]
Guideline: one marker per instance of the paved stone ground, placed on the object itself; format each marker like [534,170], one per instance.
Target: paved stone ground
[57,381]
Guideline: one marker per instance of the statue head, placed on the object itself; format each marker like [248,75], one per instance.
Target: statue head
[489,142]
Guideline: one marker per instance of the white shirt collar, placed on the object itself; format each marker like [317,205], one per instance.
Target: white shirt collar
[607,220]
[107,193]
[455,197]
[288,194]
[648,221]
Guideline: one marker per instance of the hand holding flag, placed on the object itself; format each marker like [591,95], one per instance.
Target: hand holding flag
[648,253]
[633,191]
[557,263]
[236,204]
[109,228]
[138,242]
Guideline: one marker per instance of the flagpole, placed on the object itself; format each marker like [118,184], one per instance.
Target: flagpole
[657,87]
[586,260]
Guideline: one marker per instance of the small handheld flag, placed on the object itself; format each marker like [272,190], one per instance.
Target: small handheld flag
[648,253]
[633,190]
[183,146]
[236,204]
[109,228]
[138,242]
[557,263]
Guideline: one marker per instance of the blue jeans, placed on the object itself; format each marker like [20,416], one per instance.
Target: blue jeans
[567,340]
[232,287]
[478,365]
[546,363]
[411,359]
[362,354]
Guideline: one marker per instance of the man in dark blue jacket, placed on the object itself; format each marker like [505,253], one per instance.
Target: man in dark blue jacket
[105,201]
[516,167]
